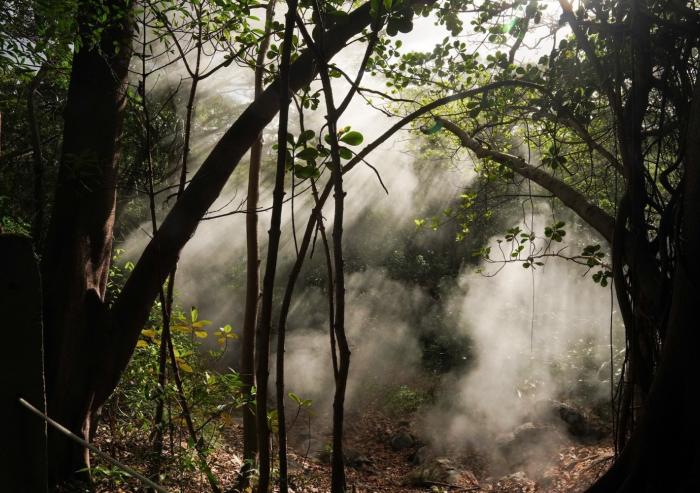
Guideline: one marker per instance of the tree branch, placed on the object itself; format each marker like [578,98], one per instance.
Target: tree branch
[600,220]
[131,309]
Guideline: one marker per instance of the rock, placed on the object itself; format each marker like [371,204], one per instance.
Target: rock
[577,423]
[402,440]
[527,442]
[439,470]
[555,411]
[420,456]
[516,482]
[355,459]
[516,476]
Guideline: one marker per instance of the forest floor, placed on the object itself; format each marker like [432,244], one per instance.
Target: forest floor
[383,456]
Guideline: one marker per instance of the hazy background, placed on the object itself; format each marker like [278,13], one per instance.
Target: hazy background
[520,336]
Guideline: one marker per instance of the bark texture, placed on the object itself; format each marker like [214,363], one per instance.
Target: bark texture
[76,260]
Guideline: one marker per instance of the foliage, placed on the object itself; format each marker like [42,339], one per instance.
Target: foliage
[404,400]
[444,350]
[13,225]
[211,395]
[574,114]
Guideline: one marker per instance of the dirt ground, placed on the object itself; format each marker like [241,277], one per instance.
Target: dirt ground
[376,466]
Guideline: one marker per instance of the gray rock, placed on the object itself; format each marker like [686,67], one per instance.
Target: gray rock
[527,441]
[355,459]
[402,440]
[420,456]
[577,423]
[440,470]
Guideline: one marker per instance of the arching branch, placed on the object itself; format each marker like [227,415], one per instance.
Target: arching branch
[600,220]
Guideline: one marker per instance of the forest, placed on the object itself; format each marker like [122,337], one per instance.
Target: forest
[254,246]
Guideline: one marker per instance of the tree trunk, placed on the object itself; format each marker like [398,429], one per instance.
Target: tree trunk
[88,348]
[341,380]
[23,459]
[75,264]
[252,296]
[663,453]
[131,308]
[265,323]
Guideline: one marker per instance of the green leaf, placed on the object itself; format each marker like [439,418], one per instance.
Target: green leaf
[308,154]
[304,172]
[405,26]
[353,138]
[148,333]
[345,153]
[306,135]
[374,8]
[184,366]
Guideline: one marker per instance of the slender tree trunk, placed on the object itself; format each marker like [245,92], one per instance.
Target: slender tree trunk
[337,461]
[250,447]
[331,284]
[166,345]
[75,264]
[265,323]
[158,424]
[338,473]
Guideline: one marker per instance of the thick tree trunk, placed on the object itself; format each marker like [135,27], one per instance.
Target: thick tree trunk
[664,451]
[23,459]
[663,454]
[75,264]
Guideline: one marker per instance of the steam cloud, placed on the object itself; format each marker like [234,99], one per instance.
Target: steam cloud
[506,378]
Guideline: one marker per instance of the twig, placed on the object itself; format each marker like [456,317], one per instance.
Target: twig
[65,431]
